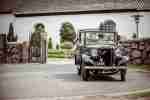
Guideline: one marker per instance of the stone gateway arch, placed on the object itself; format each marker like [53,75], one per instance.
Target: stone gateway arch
[38,44]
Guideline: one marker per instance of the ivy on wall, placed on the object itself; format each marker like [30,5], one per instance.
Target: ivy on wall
[36,35]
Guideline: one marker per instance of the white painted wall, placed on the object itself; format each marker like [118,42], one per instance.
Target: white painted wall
[5,20]
[125,24]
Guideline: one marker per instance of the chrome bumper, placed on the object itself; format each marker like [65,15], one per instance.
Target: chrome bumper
[105,67]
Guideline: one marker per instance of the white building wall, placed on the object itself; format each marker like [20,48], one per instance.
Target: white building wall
[5,20]
[125,24]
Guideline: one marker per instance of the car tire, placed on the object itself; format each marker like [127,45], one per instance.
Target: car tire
[77,60]
[123,75]
[84,74]
[79,71]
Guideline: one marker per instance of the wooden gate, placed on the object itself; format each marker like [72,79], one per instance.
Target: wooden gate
[3,47]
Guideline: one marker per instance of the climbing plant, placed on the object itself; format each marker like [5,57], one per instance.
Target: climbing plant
[36,35]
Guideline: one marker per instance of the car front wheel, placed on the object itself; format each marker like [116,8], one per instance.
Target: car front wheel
[84,74]
[79,71]
[123,75]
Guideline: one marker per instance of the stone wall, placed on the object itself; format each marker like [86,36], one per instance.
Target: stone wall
[20,53]
[139,51]
[2,48]
[2,56]
[15,53]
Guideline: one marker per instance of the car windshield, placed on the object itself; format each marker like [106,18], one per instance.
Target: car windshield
[96,38]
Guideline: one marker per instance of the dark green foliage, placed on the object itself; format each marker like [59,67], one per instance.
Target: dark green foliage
[67,32]
[134,36]
[11,37]
[36,36]
[50,46]
[57,47]
[39,28]
[36,40]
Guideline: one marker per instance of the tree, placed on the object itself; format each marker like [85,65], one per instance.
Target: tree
[67,32]
[11,37]
[50,46]
[134,36]
[57,47]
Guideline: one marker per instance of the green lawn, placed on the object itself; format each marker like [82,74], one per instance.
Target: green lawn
[144,67]
[59,53]
[142,94]
[145,93]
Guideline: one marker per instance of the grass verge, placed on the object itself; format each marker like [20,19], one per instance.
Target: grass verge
[59,53]
[143,67]
[140,94]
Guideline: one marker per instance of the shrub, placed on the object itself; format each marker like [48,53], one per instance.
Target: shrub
[50,46]
[134,36]
[11,37]
[57,47]
[67,45]
[36,35]
[39,27]
[67,32]
[35,40]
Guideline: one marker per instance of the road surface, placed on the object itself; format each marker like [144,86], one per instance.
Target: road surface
[61,80]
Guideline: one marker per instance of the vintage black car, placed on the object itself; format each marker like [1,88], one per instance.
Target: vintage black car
[99,53]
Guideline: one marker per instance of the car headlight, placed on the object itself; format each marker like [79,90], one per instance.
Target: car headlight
[118,52]
[121,52]
[94,52]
